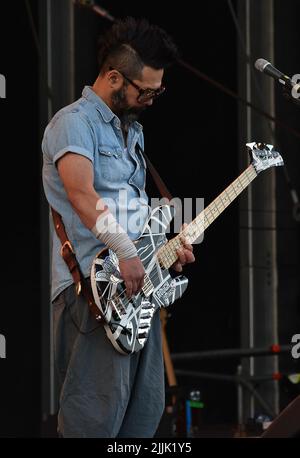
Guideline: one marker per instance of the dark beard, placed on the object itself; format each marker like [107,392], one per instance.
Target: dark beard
[126,114]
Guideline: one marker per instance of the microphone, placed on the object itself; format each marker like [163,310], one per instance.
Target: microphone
[266,67]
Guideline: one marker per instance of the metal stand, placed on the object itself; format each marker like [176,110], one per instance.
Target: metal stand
[243,382]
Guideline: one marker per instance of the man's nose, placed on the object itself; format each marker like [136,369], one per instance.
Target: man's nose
[149,102]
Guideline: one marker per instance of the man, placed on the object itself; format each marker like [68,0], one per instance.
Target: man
[90,154]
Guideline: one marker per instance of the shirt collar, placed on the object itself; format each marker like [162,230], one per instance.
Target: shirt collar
[104,109]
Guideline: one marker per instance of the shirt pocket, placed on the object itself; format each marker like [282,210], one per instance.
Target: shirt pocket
[110,164]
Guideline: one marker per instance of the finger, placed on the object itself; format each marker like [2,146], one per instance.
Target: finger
[189,257]
[181,257]
[183,240]
[177,266]
[141,284]
[188,246]
[129,288]
[184,226]
[135,287]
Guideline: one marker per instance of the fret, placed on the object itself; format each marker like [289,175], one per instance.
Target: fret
[227,198]
[171,251]
[148,286]
[225,202]
[208,217]
[191,233]
[219,205]
[206,223]
[241,184]
[221,201]
[233,188]
[214,209]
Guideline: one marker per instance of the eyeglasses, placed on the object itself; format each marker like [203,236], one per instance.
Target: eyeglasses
[144,94]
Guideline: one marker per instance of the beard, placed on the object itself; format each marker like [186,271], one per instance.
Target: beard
[121,108]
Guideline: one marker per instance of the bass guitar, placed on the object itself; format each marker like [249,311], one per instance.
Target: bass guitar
[128,321]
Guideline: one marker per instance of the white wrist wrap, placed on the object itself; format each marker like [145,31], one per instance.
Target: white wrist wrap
[109,231]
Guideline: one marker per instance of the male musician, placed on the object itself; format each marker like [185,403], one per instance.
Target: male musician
[90,154]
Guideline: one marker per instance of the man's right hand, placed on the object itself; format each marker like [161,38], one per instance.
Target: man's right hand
[133,273]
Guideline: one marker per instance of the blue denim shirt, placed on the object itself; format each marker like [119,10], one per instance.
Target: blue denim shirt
[88,127]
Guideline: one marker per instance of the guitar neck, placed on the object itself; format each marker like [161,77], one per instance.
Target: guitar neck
[167,254]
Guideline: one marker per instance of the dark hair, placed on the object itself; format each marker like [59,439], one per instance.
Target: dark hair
[131,43]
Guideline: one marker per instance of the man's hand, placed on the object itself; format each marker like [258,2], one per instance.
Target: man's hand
[185,256]
[133,273]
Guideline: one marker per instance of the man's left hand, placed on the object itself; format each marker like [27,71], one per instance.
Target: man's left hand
[185,256]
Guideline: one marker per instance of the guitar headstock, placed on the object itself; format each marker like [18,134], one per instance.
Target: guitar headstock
[263,156]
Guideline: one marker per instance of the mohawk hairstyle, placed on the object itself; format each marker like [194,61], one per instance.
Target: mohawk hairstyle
[131,43]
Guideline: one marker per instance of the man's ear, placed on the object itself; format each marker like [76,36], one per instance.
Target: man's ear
[114,79]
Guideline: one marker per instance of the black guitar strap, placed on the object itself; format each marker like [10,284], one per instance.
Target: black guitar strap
[155,175]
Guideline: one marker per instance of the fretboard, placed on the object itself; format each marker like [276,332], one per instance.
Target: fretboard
[167,254]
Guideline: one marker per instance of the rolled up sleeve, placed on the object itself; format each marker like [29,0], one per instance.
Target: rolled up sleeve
[69,133]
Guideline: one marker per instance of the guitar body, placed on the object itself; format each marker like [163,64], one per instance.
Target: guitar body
[129,321]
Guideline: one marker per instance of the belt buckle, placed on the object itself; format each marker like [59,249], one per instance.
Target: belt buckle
[66,244]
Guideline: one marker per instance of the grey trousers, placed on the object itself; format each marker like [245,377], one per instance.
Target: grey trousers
[102,392]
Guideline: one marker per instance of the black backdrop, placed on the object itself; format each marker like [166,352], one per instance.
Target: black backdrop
[191,136]
[20,190]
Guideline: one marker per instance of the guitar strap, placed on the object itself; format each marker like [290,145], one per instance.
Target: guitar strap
[69,257]
[68,254]
[155,175]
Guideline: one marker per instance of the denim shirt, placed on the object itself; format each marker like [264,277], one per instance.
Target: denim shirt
[88,127]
